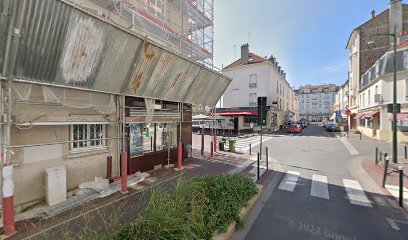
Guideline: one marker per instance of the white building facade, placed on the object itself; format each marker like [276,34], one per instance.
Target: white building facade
[377,92]
[254,76]
[316,102]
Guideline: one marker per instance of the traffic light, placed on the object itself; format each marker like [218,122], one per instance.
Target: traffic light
[261,111]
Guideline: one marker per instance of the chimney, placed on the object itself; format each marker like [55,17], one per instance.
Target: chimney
[372,14]
[395,18]
[244,53]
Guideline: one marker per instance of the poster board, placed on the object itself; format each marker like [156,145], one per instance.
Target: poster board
[136,139]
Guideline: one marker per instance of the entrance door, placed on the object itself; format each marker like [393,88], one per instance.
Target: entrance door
[235,123]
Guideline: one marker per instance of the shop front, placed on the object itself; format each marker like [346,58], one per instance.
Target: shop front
[153,134]
[369,123]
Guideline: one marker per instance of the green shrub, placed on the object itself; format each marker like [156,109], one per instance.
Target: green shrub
[196,209]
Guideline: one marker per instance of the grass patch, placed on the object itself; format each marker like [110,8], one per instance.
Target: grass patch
[196,209]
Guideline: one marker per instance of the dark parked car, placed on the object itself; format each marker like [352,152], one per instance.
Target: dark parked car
[332,127]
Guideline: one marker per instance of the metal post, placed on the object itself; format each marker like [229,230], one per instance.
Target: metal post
[394,102]
[401,185]
[376,155]
[385,172]
[260,145]
[214,131]
[124,172]
[385,155]
[250,148]
[258,173]
[405,151]
[212,150]
[109,169]
[202,141]
[267,158]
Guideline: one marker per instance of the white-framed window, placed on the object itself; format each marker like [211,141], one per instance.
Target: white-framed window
[252,99]
[369,97]
[87,137]
[253,79]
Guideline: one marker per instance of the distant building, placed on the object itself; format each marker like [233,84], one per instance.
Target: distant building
[316,102]
[342,101]
[365,46]
[254,76]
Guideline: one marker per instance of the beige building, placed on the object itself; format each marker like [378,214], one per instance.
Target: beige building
[365,47]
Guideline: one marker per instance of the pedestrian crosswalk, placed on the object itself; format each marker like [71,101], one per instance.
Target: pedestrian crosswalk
[243,144]
[320,188]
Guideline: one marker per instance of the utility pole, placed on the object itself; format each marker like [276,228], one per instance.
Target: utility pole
[394,103]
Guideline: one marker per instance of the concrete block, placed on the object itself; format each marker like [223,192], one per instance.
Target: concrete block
[56,185]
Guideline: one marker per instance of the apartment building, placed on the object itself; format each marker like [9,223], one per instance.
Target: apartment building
[316,102]
[376,93]
[365,46]
[254,76]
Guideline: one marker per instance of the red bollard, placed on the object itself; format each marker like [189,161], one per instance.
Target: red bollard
[215,140]
[8,220]
[180,155]
[109,168]
[8,201]
[124,172]
[212,150]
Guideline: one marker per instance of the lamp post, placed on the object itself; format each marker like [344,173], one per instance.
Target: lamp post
[394,97]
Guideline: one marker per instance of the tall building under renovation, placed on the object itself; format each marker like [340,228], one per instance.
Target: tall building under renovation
[184,26]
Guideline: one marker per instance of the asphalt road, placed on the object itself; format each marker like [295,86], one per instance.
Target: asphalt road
[317,197]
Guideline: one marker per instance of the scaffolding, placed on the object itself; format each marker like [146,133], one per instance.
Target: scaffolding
[185,26]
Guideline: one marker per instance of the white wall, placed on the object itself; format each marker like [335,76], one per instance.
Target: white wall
[237,93]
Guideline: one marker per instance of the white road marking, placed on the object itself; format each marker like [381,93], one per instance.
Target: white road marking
[349,147]
[394,190]
[254,142]
[319,187]
[289,182]
[355,193]
[393,224]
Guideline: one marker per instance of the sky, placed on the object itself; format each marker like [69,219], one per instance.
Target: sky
[308,37]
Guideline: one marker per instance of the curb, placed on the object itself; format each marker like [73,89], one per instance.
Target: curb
[244,212]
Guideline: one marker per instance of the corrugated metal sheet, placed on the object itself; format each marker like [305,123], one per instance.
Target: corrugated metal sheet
[63,45]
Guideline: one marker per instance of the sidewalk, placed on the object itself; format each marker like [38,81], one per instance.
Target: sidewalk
[109,213]
[354,136]
[376,172]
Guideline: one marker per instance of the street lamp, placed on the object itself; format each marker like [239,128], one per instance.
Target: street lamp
[394,98]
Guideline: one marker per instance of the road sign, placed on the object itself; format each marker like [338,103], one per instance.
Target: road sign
[291,116]
[348,112]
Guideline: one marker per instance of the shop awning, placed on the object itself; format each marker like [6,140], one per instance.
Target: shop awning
[370,115]
[359,115]
[400,116]
[200,116]
[255,113]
